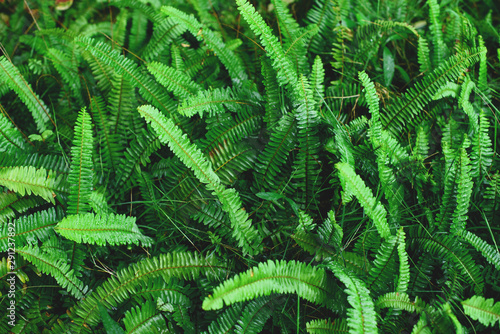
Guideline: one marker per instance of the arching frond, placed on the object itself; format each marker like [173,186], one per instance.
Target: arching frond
[272,276]
[191,156]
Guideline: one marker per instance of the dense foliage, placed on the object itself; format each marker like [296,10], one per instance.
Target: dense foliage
[211,166]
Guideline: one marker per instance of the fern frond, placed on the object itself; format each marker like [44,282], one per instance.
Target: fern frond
[174,80]
[122,103]
[464,191]
[255,315]
[109,143]
[37,226]
[11,203]
[317,80]
[126,283]
[81,175]
[307,164]
[10,137]
[10,75]
[192,157]
[436,31]
[396,300]
[102,72]
[482,153]
[327,326]
[355,185]
[272,276]
[276,152]
[226,321]
[295,36]
[486,311]
[404,111]
[164,33]
[142,319]
[231,60]
[102,229]
[492,196]
[55,267]
[384,268]
[489,252]
[124,66]
[68,69]
[286,73]
[29,180]
[331,232]
[323,14]
[211,102]
[404,266]
[272,95]
[450,249]
[138,30]
[361,315]
[138,153]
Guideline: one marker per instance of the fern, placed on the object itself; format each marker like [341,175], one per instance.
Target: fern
[28,229]
[55,267]
[29,180]
[174,80]
[254,315]
[481,155]
[491,254]
[464,191]
[486,311]
[307,160]
[101,229]
[124,66]
[81,174]
[353,184]
[10,76]
[279,277]
[281,64]
[10,138]
[437,35]
[323,326]
[170,134]
[118,289]
[398,301]
[403,112]
[142,319]
[361,317]
[230,60]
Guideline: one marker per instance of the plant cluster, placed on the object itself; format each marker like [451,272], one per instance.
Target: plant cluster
[258,166]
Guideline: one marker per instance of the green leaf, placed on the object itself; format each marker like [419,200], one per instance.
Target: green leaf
[357,187]
[102,229]
[486,311]
[273,276]
[81,176]
[110,325]
[361,317]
